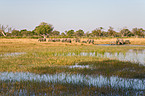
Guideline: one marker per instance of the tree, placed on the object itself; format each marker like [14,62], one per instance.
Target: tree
[105,34]
[55,33]
[138,32]
[15,33]
[87,34]
[70,33]
[63,34]
[3,28]
[126,32]
[27,33]
[79,33]
[111,32]
[97,32]
[43,29]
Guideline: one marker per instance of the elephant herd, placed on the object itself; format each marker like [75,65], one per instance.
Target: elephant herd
[120,41]
[68,40]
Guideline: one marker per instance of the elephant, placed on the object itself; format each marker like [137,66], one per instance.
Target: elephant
[119,41]
[42,39]
[77,40]
[127,42]
[66,40]
[53,40]
[90,41]
[84,41]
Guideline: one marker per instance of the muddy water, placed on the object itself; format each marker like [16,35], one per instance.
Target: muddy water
[133,55]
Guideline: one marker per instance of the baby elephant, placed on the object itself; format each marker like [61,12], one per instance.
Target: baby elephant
[42,39]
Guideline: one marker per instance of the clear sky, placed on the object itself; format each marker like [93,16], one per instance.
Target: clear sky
[73,14]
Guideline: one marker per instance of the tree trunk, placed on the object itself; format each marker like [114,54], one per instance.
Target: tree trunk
[3,33]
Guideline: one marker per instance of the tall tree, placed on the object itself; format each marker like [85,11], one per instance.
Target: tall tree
[55,33]
[16,33]
[3,29]
[138,32]
[111,31]
[70,33]
[97,31]
[79,33]
[44,29]
[126,32]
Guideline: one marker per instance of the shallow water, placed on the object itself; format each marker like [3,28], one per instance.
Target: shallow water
[98,80]
[79,66]
[13,54]
[133,55]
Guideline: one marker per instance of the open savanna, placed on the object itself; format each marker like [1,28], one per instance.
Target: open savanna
[40,58]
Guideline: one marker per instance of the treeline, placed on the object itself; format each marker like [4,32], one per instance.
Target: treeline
[45,29]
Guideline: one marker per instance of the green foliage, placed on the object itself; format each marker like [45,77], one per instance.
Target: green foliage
[70,33]
[56,33]
[111,32]
[43,28]
[16,33]
[79,33]
[97,31]
[138,31]
[126,32]
[63,34]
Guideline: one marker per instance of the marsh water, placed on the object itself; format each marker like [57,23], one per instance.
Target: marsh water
[133,55]
[90,80]
[13,54]
[137,85]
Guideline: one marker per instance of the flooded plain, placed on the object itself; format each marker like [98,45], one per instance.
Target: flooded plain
[128,85]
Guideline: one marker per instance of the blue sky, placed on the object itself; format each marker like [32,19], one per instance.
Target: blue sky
[73,14]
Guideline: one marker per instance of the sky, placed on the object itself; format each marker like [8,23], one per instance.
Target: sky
[73,14]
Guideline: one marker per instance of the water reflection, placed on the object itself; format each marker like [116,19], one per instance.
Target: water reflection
[13,54]
[133,55]
[79,66]
[98,80]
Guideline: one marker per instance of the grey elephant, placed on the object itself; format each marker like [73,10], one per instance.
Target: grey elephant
[42,39]
[68,40]
[127,42]
[119,41]
[90,41]
[84,41]
[77,40]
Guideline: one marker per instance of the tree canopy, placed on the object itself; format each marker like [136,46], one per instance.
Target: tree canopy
[43,29]
[79,33]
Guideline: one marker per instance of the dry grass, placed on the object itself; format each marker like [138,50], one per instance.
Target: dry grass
[134,41]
